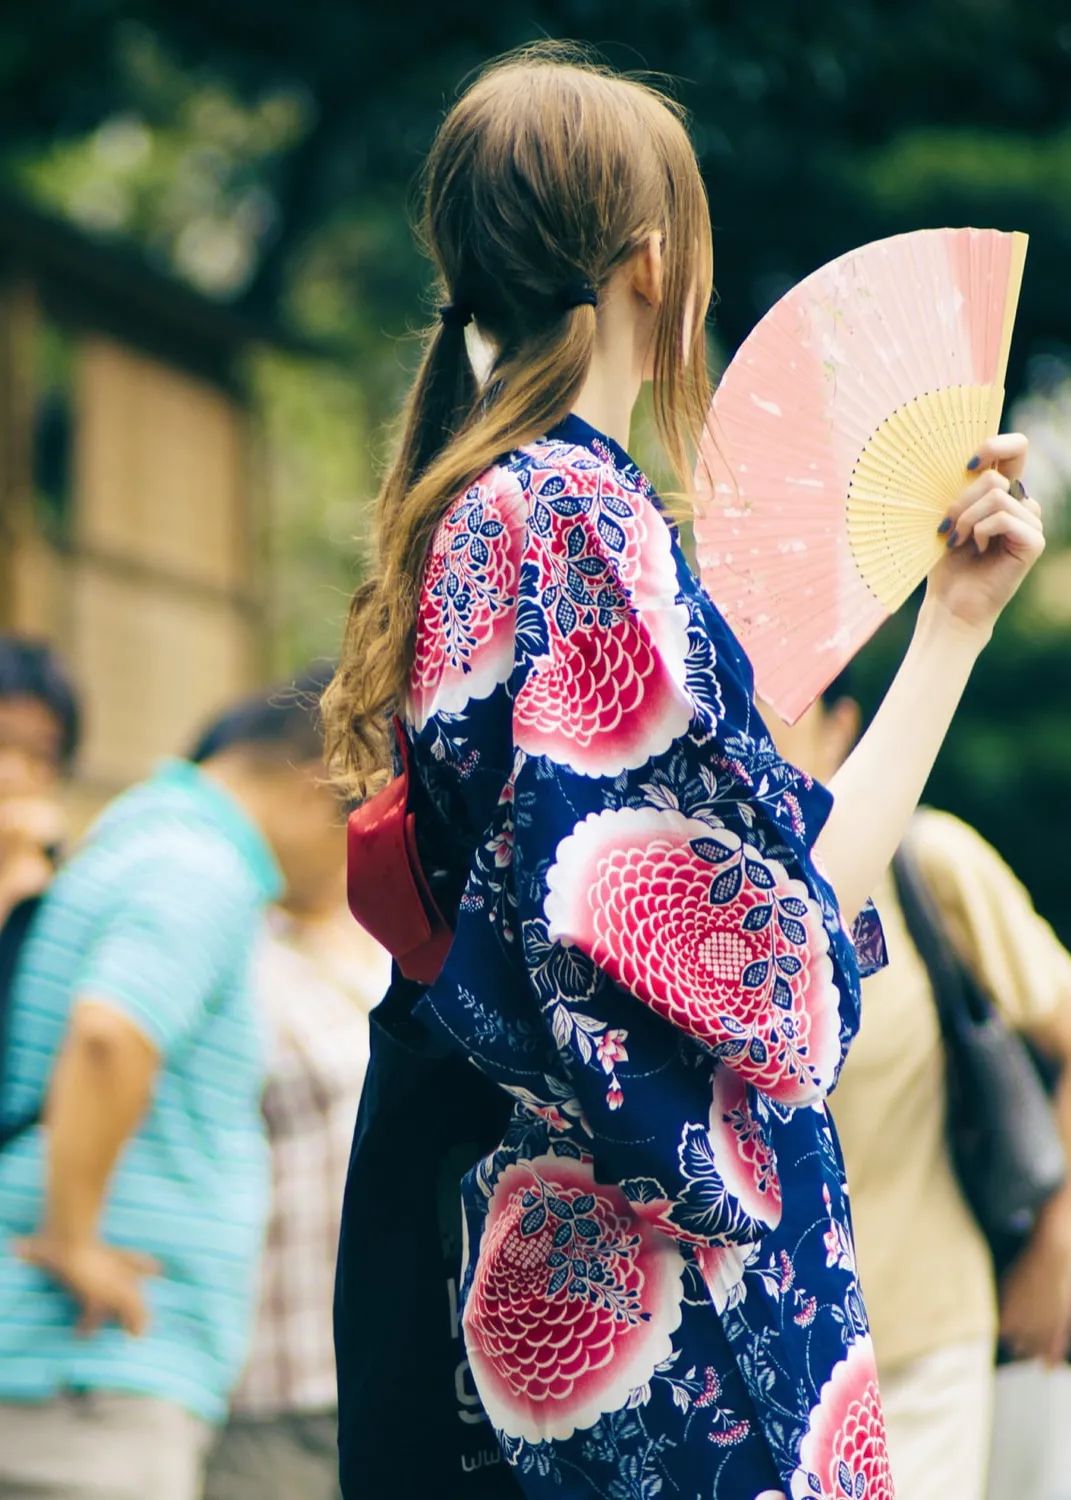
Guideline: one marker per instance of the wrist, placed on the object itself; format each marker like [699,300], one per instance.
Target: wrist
[66,1239]
[937,623]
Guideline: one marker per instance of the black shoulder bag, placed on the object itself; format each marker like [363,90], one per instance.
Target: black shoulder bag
[1003,1135]
[12,936]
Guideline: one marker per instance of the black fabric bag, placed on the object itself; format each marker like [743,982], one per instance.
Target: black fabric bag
[1003,1134]
[410,1421]
[12,936]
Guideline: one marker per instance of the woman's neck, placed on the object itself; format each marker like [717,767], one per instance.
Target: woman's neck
[612,387]
[607,411]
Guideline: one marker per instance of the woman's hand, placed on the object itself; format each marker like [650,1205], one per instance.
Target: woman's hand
[994,538]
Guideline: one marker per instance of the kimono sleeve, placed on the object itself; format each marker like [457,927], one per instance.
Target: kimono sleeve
[670,915]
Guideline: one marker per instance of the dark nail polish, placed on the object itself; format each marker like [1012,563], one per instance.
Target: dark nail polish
[972,463]
[944,526]
[953,539]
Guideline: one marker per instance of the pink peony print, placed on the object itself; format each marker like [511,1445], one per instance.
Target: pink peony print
[603,700]
[807,1313]
[573,1302]
[840,1251]
[621,521]
[714,937]
[843,1455]
[710,1395]
[745,1160]
[501,846]
[788,1272]
[722,1268]
[608,691]
[728,1437]
[610,1048]
[464,634]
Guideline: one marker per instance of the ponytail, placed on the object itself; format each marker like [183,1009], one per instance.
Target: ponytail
[450,436]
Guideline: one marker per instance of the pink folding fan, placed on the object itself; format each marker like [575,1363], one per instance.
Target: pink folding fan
[837,438]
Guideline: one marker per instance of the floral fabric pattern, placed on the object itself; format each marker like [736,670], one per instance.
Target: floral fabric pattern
[660,1295]
[574,1303]
[464,643]
[696,923]
[843,1453]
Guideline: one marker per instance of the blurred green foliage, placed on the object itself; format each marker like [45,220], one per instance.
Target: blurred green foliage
[266,152]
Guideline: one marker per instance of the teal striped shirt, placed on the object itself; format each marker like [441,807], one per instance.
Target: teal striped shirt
[157,914]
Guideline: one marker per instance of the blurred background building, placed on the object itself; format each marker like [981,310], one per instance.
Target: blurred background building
[131,523]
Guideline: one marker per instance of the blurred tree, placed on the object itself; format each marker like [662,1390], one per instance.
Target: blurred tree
[266,150]
[808,119]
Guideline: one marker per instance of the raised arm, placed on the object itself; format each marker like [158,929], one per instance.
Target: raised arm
[994,540]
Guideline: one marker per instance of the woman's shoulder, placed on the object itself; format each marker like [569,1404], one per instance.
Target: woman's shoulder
[552,490]
[573,459]
[543,468]
[526,501]
[492,502]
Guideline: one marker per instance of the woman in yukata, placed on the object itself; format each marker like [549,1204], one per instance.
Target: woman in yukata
[659,1291]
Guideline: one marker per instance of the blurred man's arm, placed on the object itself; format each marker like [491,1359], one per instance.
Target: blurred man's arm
[30,829]
[99,1092]
[1026,970]
[142,992]
[1035,1295]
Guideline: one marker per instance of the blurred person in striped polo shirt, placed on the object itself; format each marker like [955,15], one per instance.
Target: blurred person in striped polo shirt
[316,977]
[131,1223]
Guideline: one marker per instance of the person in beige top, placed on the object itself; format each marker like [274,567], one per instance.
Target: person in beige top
[925,1267]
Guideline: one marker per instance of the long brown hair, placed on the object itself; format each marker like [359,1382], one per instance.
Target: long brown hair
[548,173]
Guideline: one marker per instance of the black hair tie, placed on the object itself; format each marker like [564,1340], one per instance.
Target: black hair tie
[459,315]
[578,294]
[455,315]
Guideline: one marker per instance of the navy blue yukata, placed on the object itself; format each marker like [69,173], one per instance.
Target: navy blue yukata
[658,1291]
